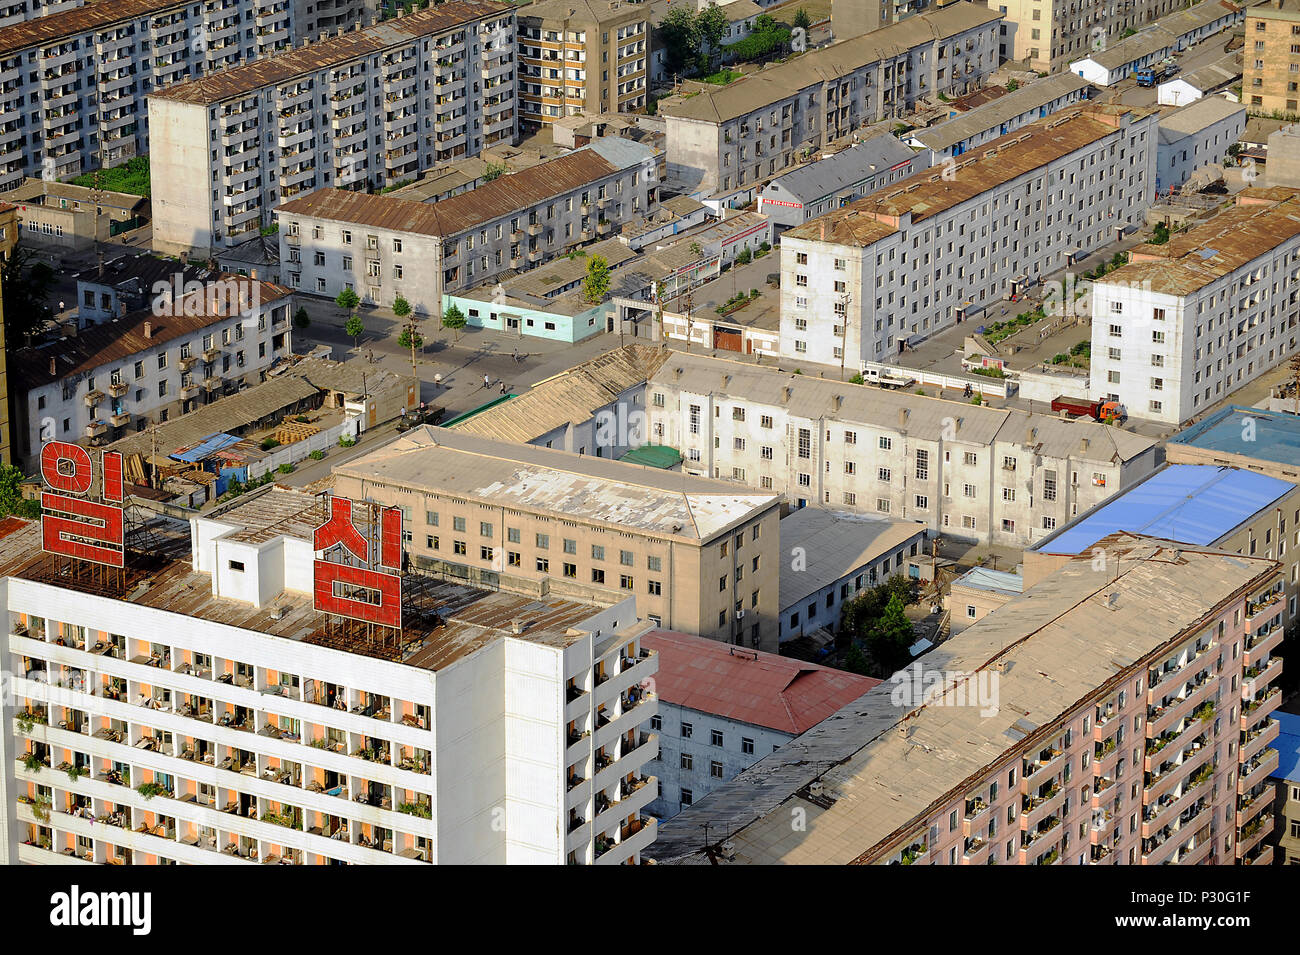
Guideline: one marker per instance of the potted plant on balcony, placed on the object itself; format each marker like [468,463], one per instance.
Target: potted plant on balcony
[151,789]
[32,763]
[76,772]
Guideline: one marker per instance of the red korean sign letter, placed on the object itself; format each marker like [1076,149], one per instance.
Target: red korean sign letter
[72,524]
[360,593]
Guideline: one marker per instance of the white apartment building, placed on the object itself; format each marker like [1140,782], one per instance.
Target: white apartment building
[725,142]
[1186,324]
[989,475]
[861,282]
[382,246]
[210,718]
[73,83]
[17,11]
[1194,136]
[120,376]
[366,109]
[310,16]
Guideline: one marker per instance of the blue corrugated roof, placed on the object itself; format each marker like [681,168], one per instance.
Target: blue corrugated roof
[1267,435]
[1191,503]
[208,446]
[985,579]
[1288,747]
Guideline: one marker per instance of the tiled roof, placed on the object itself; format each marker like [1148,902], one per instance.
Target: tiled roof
[749,686]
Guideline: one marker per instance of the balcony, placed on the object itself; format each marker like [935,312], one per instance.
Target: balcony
[1035,772]
[1257,770]
[1258,611]
[189,391]
[118,388]
[1035,809]
[1253,711]
[96,427]
[120,419]
[1262,644]
[1259,676]
[94,397]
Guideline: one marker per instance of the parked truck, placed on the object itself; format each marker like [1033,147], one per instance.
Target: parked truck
[1151,75]
[1098,410]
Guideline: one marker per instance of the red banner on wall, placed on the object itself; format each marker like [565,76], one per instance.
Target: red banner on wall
[73,524]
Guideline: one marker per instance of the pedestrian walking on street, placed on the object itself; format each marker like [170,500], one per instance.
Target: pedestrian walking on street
[487,382]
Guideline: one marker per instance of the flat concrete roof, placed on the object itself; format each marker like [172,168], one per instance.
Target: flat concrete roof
[1275,435]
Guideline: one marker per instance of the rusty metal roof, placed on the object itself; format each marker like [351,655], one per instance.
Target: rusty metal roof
[492,200]
[117,340]
[94,16]
[291,64]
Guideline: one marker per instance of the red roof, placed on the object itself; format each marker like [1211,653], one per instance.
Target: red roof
[10,524]
[762,689]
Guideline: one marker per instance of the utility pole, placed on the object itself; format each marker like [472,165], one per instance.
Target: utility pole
[98,195]
[1295,381]
[845,299]
[690,305]
[152,431]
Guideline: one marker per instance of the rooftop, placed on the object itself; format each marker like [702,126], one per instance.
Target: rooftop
[39,191]
[993,114]
[749,686]
[547,481]
[1261,220]
[502,196]
[987,167]
[1275,435]
[573,396]
[783,80]
[1287,743]
[1221,72]
[1196,116]
[143,270]
[119,339]
[595,11]
[878,154]
[1193,503]
[291,64]
[920,416]
[467,618]
[836,543]
[883,766]
[93,16]
[994,581]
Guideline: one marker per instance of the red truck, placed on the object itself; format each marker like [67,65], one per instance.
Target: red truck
[1098,410]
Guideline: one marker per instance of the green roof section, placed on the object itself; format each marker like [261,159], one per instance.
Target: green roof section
[479,410]
[654,456]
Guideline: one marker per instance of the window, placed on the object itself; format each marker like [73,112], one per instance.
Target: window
[747,746]
[715,769]
[922,465]
[654,588]
[458,524]
[686,797]
[688,761]
[687,730]
[715,737]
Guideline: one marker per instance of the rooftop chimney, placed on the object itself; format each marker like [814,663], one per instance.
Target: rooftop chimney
[1030,435]
[54,368]
[823,229]
[902,416]
[148,329]
[1083,445]
[788,392]
[516,625]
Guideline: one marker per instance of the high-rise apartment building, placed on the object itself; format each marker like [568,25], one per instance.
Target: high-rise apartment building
[194,708]
[1270,60]
[700,556]
[582,56]
[1185,324]
[864,281]
[73,82]
[366,109]
[1044,34]
[1118,713]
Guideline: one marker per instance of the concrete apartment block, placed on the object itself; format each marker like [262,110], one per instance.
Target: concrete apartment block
[505,732]
[1186,323]
[382,246]
[940,247]
[75,80]
[582,56]
[725,142]
[1194,136]
[1271,58]
[366,109]
[700,556]
[1114,716]
[979,474]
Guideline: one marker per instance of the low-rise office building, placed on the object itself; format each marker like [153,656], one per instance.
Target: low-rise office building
[1185,324]
[1052,681]
[544,521]
[722,709]
[1033,101]
[725,142]
[829,183]
[862,282]
[995,476]
[183,351]
[1194,136]
[61,217]
[832,556]
[382,247]
[366,109]
[218,716]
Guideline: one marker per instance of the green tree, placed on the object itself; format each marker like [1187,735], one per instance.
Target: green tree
[596,284]
[300,318]
[855,661]
[712,24]
[493,170]
[744,257]
[401,307]
[355,328]
[890,638]
[26,287]
[802,20]
[1013,86]
[454,319]
[679,34]
[404,339]
[11,495]
[348,300]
